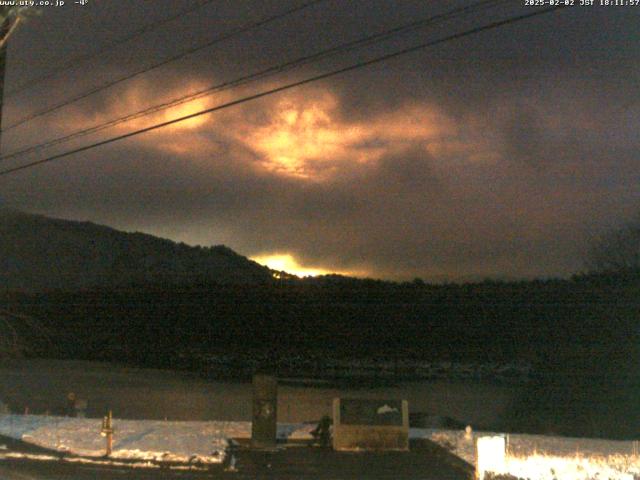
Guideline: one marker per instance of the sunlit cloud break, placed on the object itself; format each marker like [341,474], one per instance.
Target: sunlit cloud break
[284,262]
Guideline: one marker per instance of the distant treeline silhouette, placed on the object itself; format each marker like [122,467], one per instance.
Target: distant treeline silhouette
[581,335]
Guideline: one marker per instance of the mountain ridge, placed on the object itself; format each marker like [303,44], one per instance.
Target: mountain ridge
[40,253]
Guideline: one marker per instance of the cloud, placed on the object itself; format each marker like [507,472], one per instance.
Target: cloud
[499,155]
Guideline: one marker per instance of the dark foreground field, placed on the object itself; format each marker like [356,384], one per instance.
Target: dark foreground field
[423,462]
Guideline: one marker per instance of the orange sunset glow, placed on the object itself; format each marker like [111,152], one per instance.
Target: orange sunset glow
[284,262]
[303,132]
[307,137]
[186,109]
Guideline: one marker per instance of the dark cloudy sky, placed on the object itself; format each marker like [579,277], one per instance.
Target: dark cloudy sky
[498,155]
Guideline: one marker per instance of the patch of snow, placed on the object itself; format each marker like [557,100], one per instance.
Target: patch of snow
[546,467]
[27,456]
[301,431]
[386,409]
[92,461]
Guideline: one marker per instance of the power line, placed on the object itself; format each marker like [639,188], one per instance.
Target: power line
[382,58]
[88,56]
[289,65]
[190,51]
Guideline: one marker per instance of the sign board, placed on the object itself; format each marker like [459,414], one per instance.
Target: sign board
[365,424]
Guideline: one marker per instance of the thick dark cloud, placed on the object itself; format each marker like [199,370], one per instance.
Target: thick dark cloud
[501,154]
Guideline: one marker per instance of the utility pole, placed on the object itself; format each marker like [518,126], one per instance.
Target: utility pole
[5,29]
[9,19]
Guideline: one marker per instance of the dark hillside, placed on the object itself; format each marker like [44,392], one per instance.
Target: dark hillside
[39,253]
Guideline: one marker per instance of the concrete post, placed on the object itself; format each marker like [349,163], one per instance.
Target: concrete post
[265,405]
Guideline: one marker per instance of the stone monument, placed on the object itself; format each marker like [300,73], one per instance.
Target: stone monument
[265,406]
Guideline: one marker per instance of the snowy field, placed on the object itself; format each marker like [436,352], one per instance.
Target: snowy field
[176,417]
[533,457]
[140,440]
[539,457]
[150,440]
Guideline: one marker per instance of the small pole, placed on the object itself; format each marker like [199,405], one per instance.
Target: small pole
[110,434]
[107,431]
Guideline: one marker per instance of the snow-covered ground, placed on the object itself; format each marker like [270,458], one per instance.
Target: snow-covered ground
[199,442]
[152,440]
[158,441]
[534,457]
[540,457]
[153,395]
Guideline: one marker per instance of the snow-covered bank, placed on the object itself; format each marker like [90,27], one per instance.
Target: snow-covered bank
[196,442]
[540,457]
[152,440]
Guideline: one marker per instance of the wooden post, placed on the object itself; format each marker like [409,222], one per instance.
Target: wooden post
[107,431]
